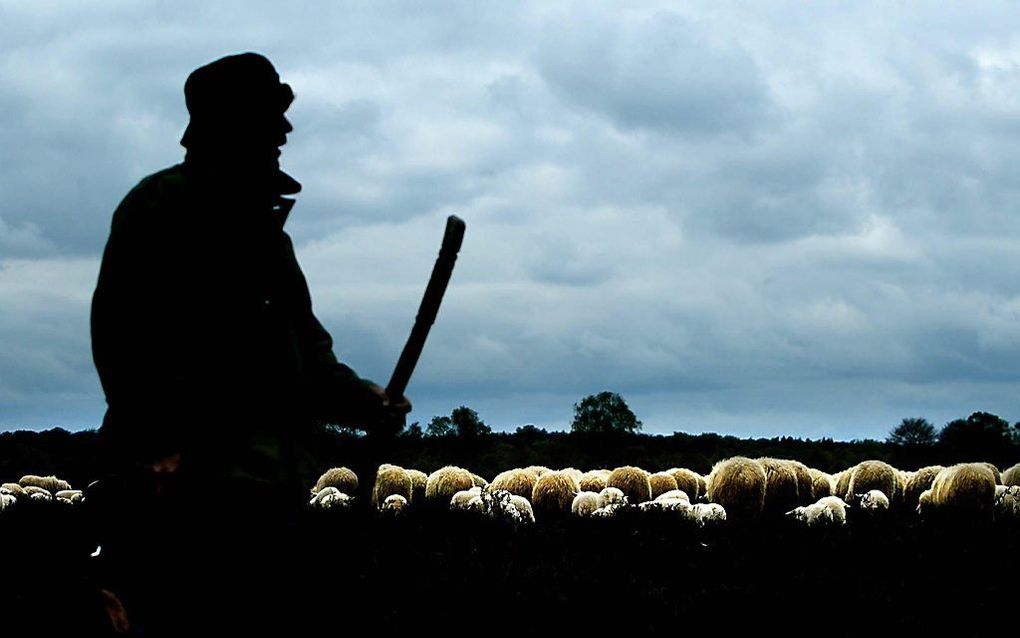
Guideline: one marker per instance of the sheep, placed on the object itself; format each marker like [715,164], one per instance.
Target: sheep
[673,495]
[738,484]
[479,481]
[609,511]
[612,496]
[662,482]
[1011,476]
[805,482]
[919,482]
[995,472]
[821,484]
[447,481]
[688,481]
[782,488]
[329,498]
[702,488]
[828,511]
[575,474]
[390,480]
[524,508]
[14,489]
[963,488]
[394,504]
[594,481]
[842,481]
[7,500]
[37,493]
[632,481]
[73,496]
[49,483]
[873,501]
[538,470]
[673,505]
[462,499]
[419,480]
[1007,501]
[584,504]
[872,475]
[554,492]
[707,514]
[342,478]
[519,482]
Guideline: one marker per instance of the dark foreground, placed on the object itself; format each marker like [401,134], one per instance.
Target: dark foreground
[641,574]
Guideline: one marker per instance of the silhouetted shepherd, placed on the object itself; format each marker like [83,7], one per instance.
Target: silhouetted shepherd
[214,367]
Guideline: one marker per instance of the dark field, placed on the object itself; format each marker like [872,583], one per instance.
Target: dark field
[639,574]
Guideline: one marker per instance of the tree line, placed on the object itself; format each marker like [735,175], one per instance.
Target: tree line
[604,433]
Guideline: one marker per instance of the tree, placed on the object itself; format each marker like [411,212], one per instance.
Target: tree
[467,424]
[979,434]
[912,431]
[463,422]
[439,426]
[604,413]
[413,431]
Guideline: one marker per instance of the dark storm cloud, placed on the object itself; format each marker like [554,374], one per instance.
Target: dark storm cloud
[753,219]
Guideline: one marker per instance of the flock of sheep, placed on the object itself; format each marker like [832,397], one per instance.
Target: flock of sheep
[737,489]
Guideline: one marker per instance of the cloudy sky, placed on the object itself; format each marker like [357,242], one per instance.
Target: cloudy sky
[755,219]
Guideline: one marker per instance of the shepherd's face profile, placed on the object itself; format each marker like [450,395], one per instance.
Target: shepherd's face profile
[237,106]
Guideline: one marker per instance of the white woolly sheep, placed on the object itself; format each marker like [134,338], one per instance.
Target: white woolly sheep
[584,504]
[523,506]
[842,481]
[1011,476]
[329,498]
[782,488]
[609,511]
[995,472]
[447,481]
[633,482]
[342,478]
[7,500]
[554,492]
[964,488]
[518,481]
[390,480]
[419,480]
[1007,502]
[687,481]
[738,484]
[873,501]
[920,481]
[822,484]
[462,499]
[612,496]
[13,489]
[662,482]
[538,470]
[479,481]
[805,482]
[673,505]
[73,496]
[673,495]
[828,511]
[49,483]
[872,475]
[707,513]
[394,504]
[574,474]
[594,481]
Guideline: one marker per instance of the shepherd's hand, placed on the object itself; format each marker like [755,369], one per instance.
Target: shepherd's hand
[390,421]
